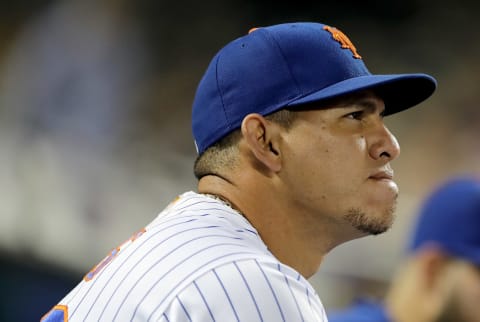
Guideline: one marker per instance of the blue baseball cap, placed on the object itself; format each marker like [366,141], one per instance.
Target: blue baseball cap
[450,219]
[287,65]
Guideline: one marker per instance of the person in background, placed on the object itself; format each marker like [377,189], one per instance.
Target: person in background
[440,278]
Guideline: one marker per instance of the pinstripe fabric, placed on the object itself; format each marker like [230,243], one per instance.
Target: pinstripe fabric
[199,260]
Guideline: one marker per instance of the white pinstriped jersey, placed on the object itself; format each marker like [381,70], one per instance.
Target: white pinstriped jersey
[199,260]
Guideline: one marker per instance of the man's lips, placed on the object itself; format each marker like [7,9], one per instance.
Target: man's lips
[382,175]
[384,178]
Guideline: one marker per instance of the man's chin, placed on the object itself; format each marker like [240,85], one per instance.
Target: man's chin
[369,225]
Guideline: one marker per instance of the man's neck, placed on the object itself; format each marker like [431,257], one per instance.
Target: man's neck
[290,237]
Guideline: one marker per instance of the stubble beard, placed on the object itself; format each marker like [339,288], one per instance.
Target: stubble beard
[371,225]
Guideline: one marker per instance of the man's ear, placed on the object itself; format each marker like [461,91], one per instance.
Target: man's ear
[262,138]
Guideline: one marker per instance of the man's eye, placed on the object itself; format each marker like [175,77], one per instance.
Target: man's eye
[355,115]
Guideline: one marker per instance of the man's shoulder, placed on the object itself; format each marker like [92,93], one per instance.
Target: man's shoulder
[191,237]
[193,250]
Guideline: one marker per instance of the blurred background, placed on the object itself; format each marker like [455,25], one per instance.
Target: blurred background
[95,136]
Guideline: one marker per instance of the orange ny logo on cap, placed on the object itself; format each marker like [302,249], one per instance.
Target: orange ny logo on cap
[343,40]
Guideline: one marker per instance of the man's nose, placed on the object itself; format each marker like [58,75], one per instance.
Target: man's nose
[383,144]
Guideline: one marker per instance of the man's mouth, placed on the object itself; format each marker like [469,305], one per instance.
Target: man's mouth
[382,175]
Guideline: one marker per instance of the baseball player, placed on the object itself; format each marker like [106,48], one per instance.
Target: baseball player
[440,279]
[293,159]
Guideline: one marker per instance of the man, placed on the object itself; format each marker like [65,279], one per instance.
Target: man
[294,159]
[440,279]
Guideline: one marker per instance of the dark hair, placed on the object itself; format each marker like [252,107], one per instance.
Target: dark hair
[223,154]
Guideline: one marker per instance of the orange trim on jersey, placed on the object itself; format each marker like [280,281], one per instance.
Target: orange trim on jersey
[59,307]
[132,238]
[97,268]
[174,201]
[111,255]
[137,234]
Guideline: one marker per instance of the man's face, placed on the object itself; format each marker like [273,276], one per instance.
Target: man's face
[338,164]
[464,303]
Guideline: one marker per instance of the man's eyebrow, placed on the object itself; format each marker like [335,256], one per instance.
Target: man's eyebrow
[366,103]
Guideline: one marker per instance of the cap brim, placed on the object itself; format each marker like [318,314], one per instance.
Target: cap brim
[399,91]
